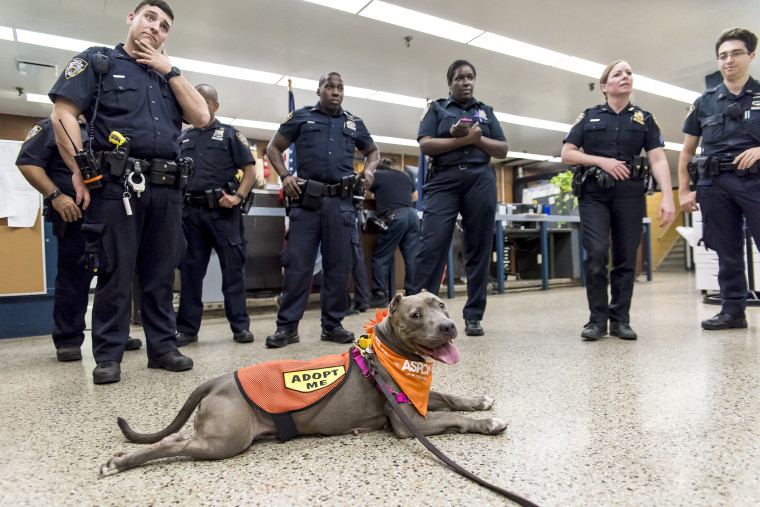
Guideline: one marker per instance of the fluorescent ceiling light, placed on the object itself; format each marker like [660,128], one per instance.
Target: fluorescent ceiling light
[352,6]
[359,93]
[6,33]
[263,125]
[395,140]
[580,66]
[532,122]
[518,49]
[664,89]
[530,156]
[53,41]
[36,97]
[225,119]
[403,100]
[216,69]
[407,18]
[679,147]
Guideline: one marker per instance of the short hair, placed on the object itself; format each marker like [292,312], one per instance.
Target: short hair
[741,34]
[385,163]
[606,74]
[326,76]
[454,66]
[156,3]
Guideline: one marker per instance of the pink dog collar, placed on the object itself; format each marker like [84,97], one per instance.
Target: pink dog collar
[362,364]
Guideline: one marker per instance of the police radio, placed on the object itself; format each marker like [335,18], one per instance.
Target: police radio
[87,162]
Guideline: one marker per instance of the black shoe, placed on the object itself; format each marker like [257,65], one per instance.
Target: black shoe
[337,335]
[281,338]
[473,328]
[243,336]
[184,338]
[66,354]
[106,372]
[622,330]
[172,361]
[378,300]
[133,344]
[593,331]
[362,307]
[352,311]
[724,321]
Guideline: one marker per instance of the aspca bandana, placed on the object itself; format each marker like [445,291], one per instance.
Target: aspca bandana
[413,377]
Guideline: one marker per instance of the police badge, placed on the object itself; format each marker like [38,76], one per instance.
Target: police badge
[638,117]
[218,134]
[75,67]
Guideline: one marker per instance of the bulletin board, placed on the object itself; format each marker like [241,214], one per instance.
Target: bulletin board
[22,249]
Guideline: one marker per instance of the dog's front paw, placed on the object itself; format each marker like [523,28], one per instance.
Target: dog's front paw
[485,403]
[495,426]
[110,467]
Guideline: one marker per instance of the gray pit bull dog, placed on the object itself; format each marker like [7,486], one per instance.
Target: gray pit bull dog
[417,328]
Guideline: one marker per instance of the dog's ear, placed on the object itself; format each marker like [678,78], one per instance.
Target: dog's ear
[395,302]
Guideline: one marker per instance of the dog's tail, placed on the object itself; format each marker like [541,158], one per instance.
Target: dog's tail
[184,414]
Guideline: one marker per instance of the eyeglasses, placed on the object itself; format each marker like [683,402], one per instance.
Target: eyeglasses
[736,53]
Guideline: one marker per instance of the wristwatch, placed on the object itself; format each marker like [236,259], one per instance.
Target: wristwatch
[238,194]
[53,195]
[172,73]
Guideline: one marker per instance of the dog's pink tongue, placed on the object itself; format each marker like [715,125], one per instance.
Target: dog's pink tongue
[447,353]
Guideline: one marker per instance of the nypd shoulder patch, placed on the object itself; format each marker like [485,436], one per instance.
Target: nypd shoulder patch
[579,119]
[242,139]
[424,113]
[75,67]
[35,130]
[288,117]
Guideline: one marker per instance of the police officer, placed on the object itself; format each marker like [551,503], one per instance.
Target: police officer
[326,137]
[134,221]
[212,219]
[41,164]
[613,195]
[461,134]
[727,118]
[394,199]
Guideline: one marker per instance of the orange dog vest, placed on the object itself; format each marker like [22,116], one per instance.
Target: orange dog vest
[282,387]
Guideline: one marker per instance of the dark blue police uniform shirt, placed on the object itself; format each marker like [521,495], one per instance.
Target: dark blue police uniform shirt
[723,136]
[325,144]
[218,151]
[135,101]
[602,132]
[40,149]
[393,189]
[443,113]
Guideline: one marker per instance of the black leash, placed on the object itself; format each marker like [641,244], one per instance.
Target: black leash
[438,453]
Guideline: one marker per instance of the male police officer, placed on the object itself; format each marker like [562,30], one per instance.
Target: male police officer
[41,164]
[727,118]
[326,138]
[212,219]
[135,220]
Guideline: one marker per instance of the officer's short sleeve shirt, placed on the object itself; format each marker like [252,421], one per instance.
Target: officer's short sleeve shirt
[218,151]
[722,135]
[40,150]
[135,100]
[325,144]
[602,132]
[442,114]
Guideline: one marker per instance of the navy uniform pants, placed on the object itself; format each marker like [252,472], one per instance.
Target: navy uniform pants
[615,214]
[334,227]
[404,233]
[222,230]
[72,287]
[358,269]
[724,200]
[470,192]
[150,243]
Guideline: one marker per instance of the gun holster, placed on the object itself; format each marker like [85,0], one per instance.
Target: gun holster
[707,167]
[579,178]
[311,195]
[55,218]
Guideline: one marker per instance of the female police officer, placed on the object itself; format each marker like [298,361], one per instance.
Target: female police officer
[612,201]
[460,180]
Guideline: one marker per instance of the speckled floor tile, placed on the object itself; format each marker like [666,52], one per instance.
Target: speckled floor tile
[671,419]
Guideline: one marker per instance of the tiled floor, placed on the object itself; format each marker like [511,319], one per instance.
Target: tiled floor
[670,419]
